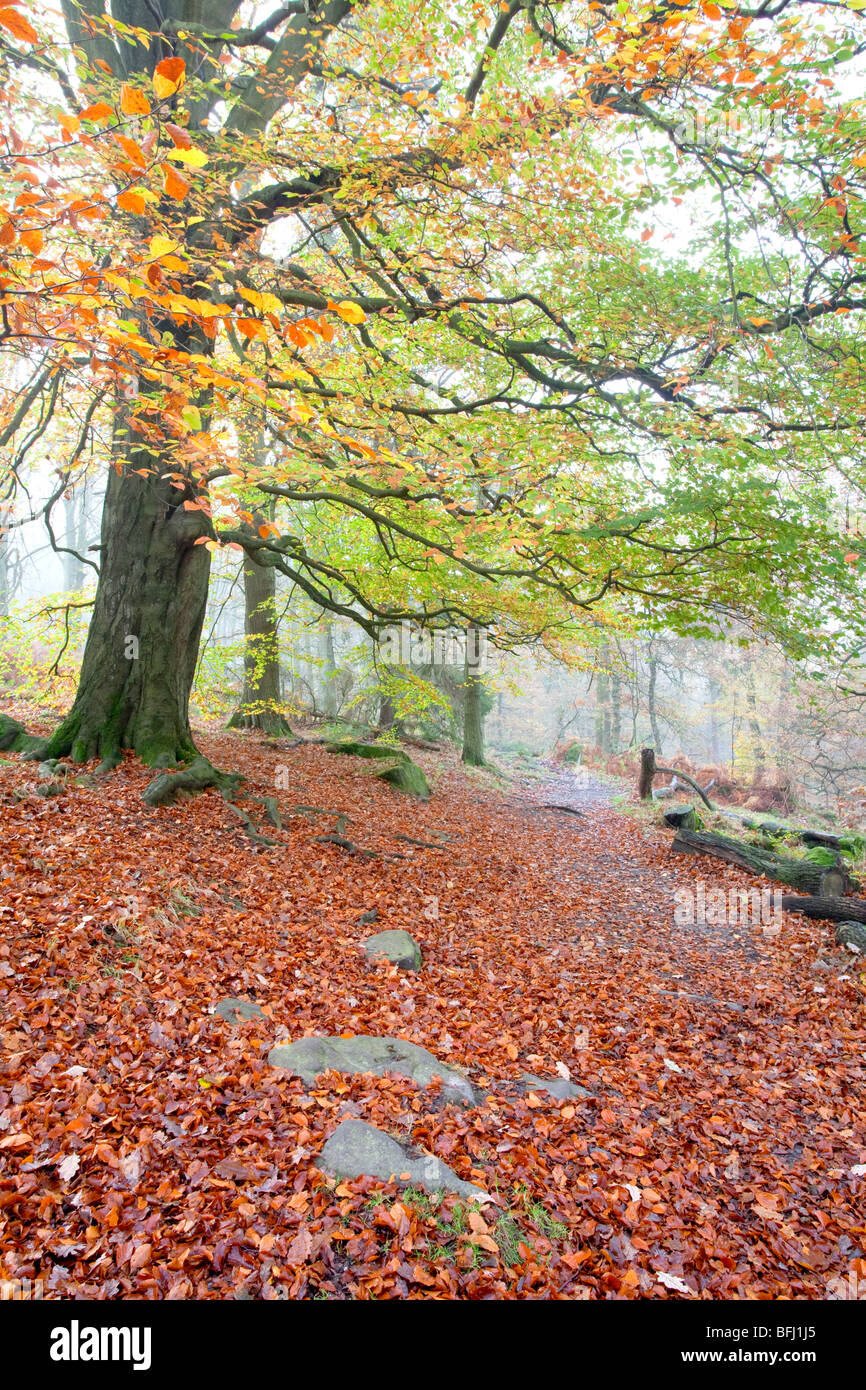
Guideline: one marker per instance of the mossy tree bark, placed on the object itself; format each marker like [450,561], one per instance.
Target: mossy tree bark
[473,713]
[261,700]
[142,644]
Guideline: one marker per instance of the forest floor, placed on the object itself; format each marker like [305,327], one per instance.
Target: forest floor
[147,1150]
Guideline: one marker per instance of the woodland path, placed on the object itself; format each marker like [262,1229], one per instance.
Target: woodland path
[147,1150]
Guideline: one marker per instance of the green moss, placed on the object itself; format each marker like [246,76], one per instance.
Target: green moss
[407,777]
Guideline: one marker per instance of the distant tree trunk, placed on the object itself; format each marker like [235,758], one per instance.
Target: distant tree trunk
[329,668]
[602,704]
[75,513]
[615,714]
[473,689]
[387,714]
[260,704]
[651,703]
[757,737]
[715,692]
[5,585]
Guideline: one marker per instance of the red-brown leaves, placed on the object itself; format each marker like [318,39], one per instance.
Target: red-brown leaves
[146,1149]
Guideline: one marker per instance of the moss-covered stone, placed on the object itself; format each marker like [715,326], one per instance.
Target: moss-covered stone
[407,777]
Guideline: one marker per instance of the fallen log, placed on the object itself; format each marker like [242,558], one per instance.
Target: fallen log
[826,909]
[816,838]
[815,880]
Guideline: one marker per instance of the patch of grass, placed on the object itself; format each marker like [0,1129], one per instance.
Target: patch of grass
[544,1223]
[182,904]
[508,1236]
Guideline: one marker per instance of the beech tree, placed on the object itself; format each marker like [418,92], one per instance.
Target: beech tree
[422,241]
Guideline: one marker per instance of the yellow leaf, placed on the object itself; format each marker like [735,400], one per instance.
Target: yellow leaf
[161,246]
[196,159]
[169,77]
[349,312]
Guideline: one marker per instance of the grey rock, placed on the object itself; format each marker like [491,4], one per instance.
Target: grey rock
[356,1150]
[397,946]
[557,1086]
[238,1010]
[367,917]
[309,1057]
[677,816]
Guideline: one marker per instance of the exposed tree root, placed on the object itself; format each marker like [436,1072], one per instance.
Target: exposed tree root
[249,826]
[425,844]
[342,843]
[272,810]
[267,721]
[14,738]
[197,777]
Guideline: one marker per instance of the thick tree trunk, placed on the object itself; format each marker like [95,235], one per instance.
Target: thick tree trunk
[142,645]
[260,705]
[647,773]
[826,909]
[473,715]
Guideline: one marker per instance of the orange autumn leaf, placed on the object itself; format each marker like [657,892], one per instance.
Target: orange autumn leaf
[99,111]
[168,76]
[252,328]
[132,201]
[174,185]
[133,102]
[16,25]
[133,151]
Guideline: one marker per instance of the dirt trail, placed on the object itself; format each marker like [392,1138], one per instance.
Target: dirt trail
[713,1157]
